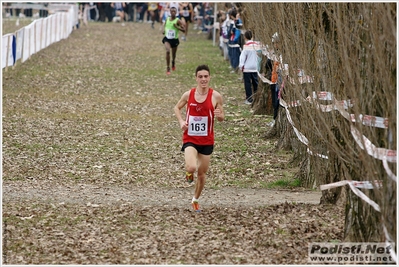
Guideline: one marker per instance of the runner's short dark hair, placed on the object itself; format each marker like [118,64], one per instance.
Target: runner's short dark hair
[202,67]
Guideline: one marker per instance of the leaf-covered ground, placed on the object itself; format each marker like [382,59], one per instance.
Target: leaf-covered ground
[93,173]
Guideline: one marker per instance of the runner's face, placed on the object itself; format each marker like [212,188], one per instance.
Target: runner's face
[203,79]
[173,12]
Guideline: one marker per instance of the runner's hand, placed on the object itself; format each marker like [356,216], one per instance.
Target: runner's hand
[183,125]
[217,112]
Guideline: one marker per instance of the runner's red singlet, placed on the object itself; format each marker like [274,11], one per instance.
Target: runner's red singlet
[200,119]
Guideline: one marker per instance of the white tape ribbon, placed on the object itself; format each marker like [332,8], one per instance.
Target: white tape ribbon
[317,154]
[300,136]
[358,184]
[373,121]
[388,241]
[354,190]
[323,95]
[379,153]
[388,170]
[364,197]
[372,150]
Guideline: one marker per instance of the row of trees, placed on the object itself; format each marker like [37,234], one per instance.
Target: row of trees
[349,49]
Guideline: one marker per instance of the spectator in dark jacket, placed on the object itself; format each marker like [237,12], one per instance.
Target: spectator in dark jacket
[234,41]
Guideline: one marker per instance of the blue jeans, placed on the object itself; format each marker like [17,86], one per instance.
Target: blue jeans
[250,82]
[234,55]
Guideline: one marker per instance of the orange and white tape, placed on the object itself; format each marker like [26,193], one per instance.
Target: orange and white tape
[372,150]
[323,95]
[369,120]
[301,80]
[386,155]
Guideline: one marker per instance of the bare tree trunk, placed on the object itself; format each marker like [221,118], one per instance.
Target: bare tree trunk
[362,222]
[262,104]
[336,168]
[349,50]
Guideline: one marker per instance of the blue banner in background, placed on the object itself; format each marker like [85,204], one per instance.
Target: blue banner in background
[14,49]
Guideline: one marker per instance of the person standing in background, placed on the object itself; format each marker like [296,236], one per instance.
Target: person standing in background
[101,12]
[223,30]
[234,39]
[276,77]
[143,11]
[249,66]
[130,11]
[109,11]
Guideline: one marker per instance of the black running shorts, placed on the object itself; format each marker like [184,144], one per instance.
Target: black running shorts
[172,42]
[204,150]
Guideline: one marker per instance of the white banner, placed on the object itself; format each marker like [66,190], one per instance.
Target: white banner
[58,25]
[38,35]
[25,45]
[19,47]
[32,48]
[43,34]
[7,58]
[53,29]
[48,30]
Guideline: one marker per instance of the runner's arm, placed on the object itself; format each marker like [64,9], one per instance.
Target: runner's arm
[179,25]
[177,109]
[219,111]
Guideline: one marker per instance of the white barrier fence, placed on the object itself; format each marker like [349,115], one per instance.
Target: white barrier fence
[38,35]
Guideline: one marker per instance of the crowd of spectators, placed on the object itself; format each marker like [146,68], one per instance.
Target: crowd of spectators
[145,12]
[24,12]
[142,12]
[245,56]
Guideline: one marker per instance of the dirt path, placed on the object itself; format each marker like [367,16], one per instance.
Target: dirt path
[144,196]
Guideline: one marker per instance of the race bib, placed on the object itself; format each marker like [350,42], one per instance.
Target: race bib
[186,13]
[197,126]
[171,34]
